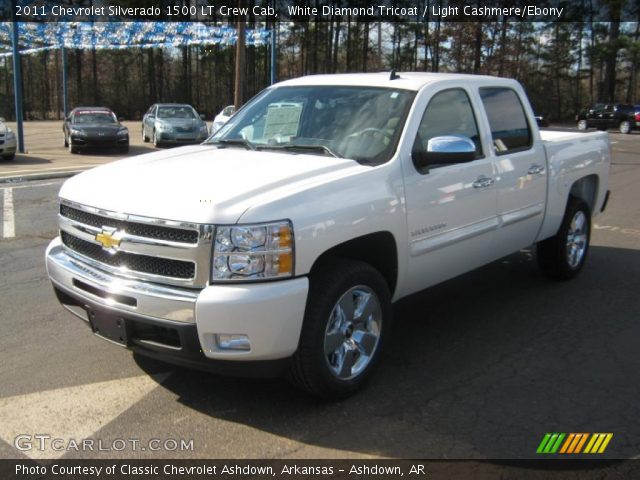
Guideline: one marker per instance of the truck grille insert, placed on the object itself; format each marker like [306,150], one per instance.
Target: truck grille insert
[140,229]
[139,263]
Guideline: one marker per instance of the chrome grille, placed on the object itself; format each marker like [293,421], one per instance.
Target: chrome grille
[159,251]
[138,263]
[140,229]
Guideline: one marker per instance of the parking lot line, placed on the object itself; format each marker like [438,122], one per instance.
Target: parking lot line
[8,220]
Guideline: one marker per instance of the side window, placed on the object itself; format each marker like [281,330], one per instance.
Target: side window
[449,113]
[509,127]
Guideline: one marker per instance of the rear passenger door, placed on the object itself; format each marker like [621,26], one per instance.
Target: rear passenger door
[520,170]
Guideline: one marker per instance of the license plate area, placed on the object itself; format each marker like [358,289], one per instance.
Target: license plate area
[108,326]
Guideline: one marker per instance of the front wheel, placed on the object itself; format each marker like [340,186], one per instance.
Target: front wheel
[347,320]
[582,125]
[625,127]
[563,255]
[156,141]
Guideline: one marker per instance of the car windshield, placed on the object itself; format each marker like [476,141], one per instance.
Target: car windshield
[360,123]
[176,112]
[91,118]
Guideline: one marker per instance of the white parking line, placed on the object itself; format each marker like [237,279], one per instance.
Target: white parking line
[8,220]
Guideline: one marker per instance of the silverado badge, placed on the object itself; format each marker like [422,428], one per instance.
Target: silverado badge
[109,238]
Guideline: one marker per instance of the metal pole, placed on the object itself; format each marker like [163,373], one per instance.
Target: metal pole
[17,86]
[65,92]
[274,34]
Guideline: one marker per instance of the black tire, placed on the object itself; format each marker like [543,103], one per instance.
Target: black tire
[555,254]
[145,139]
[9,157]
[156,142]
[73,149]
[336,280]
[66,142]
[625,126]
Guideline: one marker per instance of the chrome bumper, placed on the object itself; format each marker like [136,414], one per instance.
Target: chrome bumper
[68,273]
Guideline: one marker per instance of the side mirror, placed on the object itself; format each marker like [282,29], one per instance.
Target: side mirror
[446,150]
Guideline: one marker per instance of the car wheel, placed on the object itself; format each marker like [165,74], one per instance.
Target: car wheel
[347,320]
[66,142]
[563,255]
[625,126]
[9,157]
[72,149]
[145,139]
[156,141]
[582,125]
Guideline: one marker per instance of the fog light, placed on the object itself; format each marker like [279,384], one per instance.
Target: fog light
[233,342]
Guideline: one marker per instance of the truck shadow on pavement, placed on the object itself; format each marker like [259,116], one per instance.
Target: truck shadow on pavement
[481,366]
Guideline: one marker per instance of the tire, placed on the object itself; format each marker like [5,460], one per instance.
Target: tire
[563,256]
[338,350]
[156,142]
[582,125]
[625,126]
[9,157]
[72,149]
[145,139]
[66,142]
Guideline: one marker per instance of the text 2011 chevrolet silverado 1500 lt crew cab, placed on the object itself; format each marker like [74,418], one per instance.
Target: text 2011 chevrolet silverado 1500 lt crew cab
[280,243]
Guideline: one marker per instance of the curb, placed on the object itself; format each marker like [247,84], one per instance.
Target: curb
[40,176]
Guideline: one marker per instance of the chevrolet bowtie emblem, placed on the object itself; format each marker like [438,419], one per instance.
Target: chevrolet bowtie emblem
[109,238]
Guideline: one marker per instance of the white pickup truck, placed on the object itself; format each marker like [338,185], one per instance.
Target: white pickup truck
[279,244]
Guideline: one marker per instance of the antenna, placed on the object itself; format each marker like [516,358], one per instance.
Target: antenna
[393,75]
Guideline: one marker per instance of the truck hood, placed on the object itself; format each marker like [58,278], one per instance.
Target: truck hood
[200,184]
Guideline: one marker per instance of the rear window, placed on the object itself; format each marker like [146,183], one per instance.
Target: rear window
[509,127]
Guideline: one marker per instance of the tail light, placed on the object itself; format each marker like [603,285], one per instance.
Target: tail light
[638,117]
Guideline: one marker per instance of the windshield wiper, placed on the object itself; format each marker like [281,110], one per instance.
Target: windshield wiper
[235,141]
[292,146]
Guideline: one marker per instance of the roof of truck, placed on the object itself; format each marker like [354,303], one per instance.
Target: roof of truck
[404,80]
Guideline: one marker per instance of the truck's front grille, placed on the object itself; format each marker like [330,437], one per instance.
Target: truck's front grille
[133,228]
[137,263]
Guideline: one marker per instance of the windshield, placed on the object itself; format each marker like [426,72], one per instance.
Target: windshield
[92,118]
[177,112]
[360,123]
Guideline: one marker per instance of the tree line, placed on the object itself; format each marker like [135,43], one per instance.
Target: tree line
[564,66]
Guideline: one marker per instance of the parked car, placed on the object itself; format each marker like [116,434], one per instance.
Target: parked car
[8,144]
[94,127]
[278,245]
[610,115]
[173,123]
[222,118]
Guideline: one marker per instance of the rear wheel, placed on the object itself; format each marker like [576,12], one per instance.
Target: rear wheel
[563,255]
[582,125]
[625,126]
[347,320]
[11,156]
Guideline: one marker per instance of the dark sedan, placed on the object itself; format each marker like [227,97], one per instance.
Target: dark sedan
[94,127]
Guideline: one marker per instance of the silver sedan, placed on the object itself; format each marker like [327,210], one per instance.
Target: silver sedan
[173,123]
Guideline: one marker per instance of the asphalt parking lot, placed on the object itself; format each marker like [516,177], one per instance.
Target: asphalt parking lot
[482,378]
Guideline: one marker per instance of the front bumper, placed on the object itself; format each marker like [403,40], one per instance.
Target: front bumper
[179,325]
[182,137]
[91,141]
[7,146]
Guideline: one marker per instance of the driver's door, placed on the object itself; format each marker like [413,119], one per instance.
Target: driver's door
[451,209]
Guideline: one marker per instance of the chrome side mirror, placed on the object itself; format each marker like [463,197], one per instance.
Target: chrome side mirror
[445,150]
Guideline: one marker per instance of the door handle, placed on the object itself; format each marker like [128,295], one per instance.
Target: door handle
[535,169]
[483,182]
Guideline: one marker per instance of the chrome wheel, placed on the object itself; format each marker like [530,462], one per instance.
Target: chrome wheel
[577,238]
[625,127]
[353,332]
[582,125]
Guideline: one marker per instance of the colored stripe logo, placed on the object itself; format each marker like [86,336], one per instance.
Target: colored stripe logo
[574,443]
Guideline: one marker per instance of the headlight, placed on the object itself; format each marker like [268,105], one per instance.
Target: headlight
[123,131]
[253,252]
[164,127]
[80,133]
